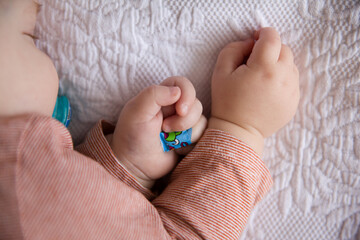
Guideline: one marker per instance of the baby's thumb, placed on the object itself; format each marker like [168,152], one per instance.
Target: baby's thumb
[151,99]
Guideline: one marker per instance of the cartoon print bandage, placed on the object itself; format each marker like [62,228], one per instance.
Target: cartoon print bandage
[175,140]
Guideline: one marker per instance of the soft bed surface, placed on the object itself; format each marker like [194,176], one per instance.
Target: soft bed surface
[107,51]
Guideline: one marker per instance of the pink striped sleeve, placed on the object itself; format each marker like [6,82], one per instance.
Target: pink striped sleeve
[214,189]
[50,191]
[221,170]
[97,147]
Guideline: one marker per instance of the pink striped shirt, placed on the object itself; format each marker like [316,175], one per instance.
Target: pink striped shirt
[50,191]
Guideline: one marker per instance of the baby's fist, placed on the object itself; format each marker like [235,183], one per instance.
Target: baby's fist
[136,139]
[262,95]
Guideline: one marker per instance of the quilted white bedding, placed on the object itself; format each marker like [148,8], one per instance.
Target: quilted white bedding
[106,51]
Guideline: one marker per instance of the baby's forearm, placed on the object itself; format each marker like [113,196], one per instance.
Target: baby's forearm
[246,134]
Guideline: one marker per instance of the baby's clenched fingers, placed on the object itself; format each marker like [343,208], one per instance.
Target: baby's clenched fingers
[188,94]
[231,57]
[148,102]
[180,123]
[267,48]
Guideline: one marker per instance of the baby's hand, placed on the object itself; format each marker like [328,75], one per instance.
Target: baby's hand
[253,100]
[136,140]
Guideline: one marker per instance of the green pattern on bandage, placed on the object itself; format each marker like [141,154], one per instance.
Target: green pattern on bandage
[175,140]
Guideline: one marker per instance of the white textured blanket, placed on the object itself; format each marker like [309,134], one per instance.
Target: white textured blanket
[106,51]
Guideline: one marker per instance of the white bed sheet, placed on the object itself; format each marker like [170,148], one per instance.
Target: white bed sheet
[106,51]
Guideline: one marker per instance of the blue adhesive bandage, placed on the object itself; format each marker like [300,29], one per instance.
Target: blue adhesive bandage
[62,110]
[175,140]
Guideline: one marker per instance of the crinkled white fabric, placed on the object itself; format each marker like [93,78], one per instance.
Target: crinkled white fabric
[106,51]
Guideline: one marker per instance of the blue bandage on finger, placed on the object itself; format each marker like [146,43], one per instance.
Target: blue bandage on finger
[175,140]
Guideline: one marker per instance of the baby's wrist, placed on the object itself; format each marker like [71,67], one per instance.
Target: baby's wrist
[145,183]
[248,135]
